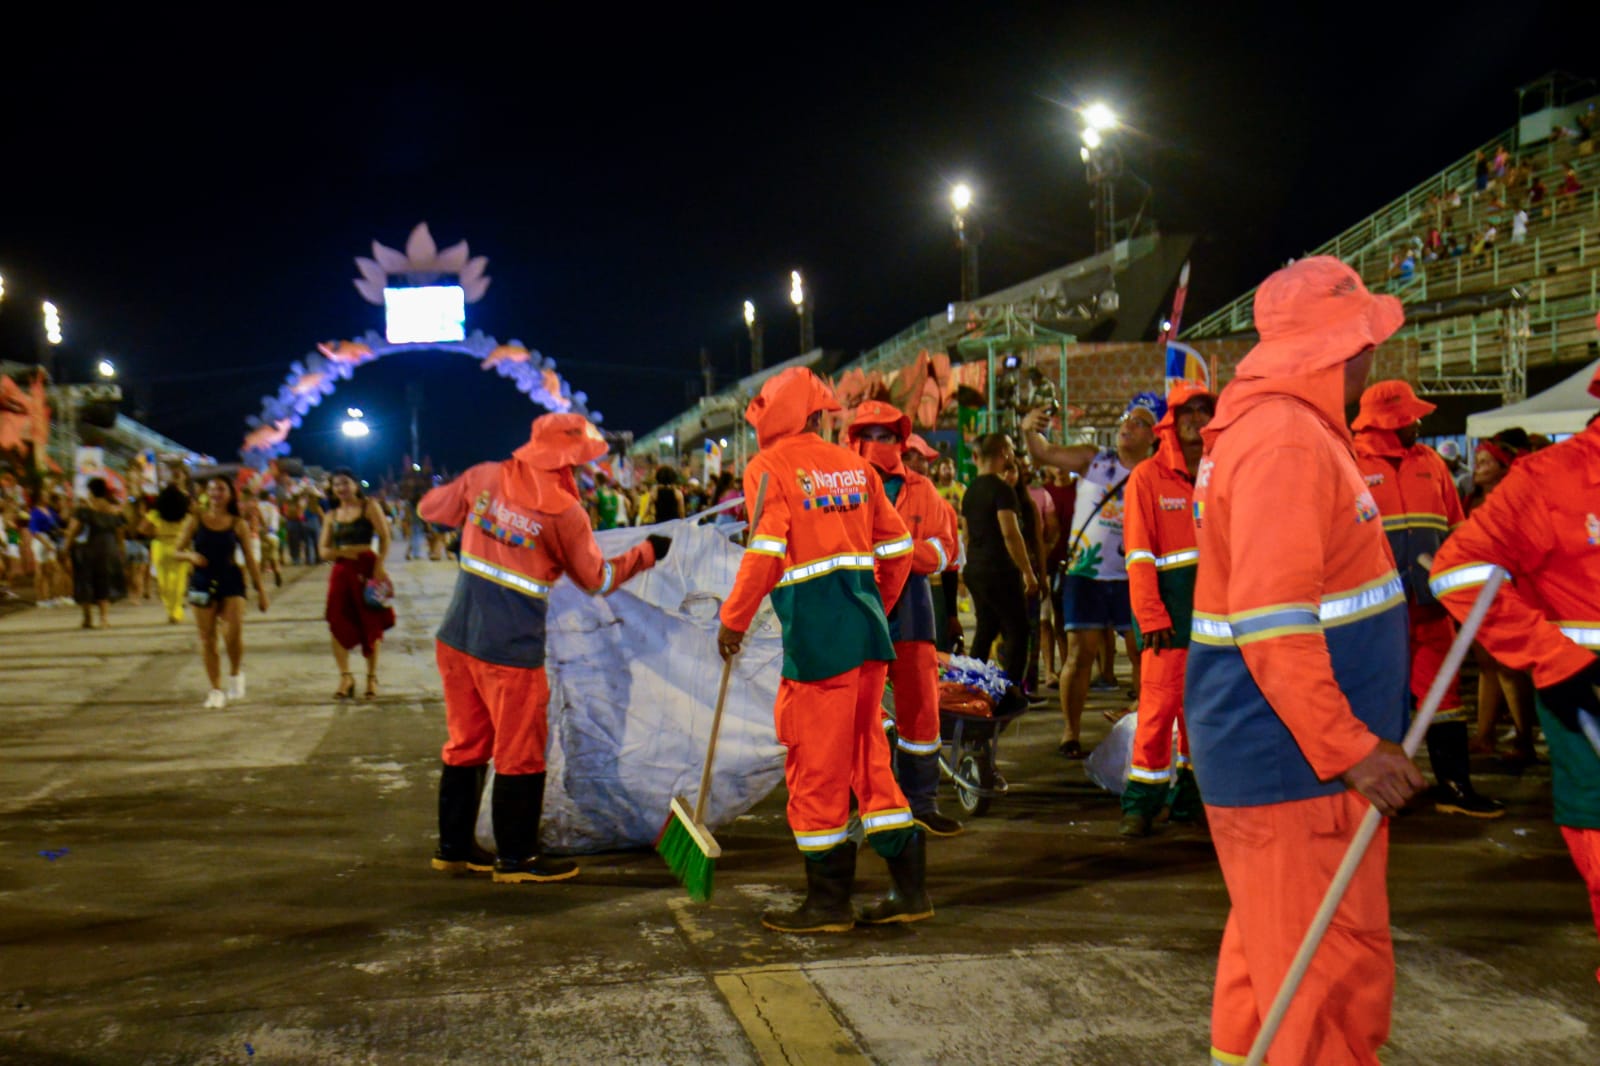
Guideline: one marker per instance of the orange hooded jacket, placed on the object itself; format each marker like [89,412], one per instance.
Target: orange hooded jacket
[1158,537]
[522,527]
[1297,661]
[1417,498]
[829,548]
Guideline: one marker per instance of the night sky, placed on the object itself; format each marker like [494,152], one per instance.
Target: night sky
[193,196]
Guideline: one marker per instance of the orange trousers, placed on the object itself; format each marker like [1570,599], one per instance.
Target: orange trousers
[1584,844]
[1278,861]
[1160,705]
[833,730]
[493,710]
[915,676]
[1432,632]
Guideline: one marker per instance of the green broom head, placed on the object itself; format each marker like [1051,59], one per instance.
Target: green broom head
[689,850]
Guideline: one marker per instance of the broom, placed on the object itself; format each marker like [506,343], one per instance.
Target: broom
[1369,825]
[686,842]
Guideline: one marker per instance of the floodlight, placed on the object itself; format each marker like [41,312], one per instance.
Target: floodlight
[1091,138]
[797,289]
[1099,116]
[355,428]
[961,196]
[749,313]
[106,368]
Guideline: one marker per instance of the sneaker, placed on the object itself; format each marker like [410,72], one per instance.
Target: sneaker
[1457,798]
[939,825]
[478,861]
[1100,684]
[538,868]
[215,699]
[236,686]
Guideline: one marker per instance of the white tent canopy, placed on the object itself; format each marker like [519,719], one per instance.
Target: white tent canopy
[1562,408]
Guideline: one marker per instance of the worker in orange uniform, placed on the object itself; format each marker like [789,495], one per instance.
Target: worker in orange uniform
[522,527]
[1542,525]
[1158,536]
[880,434]
[1296,687]
[831,550]
[1419,503]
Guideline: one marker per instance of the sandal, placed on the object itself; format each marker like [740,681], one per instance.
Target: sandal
[1070,748]
[372,688]
[347,687]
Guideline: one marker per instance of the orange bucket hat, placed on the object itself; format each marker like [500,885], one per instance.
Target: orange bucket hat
[915,443]
[558,441]
[786,402]
[1390,405]
[1180,394]
[878,413]
[1316,314]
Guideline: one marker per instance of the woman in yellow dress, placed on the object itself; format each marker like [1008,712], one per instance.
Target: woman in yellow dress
[161,525]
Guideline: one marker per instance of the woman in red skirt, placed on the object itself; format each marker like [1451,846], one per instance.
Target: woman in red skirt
[348,533]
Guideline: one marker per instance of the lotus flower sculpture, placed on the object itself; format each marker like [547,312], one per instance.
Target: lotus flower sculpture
[421,263]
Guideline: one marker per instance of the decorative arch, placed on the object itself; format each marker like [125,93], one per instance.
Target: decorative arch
[316,375]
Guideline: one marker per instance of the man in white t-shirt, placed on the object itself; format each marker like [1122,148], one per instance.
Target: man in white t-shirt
[1091,592]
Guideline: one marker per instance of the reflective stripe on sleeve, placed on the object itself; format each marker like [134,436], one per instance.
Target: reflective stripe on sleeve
[764,545]
[1284,619]
[796,574]
[501,576]
[891,548]
[1347,607]
[1175,559]
[1584,633]
[605,586]
[1149,777]
[1139,555]
[944,558]
[1461,577]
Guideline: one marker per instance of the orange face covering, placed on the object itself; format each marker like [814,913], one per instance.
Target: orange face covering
[883,454]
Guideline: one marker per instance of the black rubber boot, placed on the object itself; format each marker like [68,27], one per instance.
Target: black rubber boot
[826,909]
[1447,751]
[518,804]
[907,900]
[459,853]
[919,780]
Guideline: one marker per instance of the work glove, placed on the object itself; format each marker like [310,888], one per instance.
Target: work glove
[660,544]
[1580,692]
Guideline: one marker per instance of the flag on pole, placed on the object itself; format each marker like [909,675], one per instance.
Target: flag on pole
[713,460]
[1175,320]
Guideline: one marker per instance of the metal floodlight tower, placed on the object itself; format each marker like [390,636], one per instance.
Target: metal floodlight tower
[753,323]
[1103,166]
[802,308]
[967,237]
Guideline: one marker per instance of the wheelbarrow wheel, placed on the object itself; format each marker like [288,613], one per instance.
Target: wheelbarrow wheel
[974,768]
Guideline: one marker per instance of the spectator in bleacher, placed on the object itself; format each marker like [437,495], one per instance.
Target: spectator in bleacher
[1519,226]
[1502,161]
[1485,242]
[1570,187]
[1536,194]
[1480,174]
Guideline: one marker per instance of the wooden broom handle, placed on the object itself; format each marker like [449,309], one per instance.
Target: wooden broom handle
[722,689]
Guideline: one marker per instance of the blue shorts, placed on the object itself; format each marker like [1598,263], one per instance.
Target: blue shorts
[1085,603]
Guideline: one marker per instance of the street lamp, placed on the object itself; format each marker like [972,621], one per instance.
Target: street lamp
[106,369]
[752,322]
[353,426]
[1102,161]
[1098,116]
[967,237]
[802,308]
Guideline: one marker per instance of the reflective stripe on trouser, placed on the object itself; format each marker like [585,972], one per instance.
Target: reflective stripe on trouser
[493,711]
[915,676]
[833,730]
[1584,844]
[1160,706]
[1278,860]
[1432,632]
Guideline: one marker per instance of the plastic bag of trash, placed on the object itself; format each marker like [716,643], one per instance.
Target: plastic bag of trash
[633,684]
[1109,762]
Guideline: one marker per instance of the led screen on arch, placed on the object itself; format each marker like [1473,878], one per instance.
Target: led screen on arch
[425,313]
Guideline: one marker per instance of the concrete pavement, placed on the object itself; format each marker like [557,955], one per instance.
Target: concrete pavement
[251,886]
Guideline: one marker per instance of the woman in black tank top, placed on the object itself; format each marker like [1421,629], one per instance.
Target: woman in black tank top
[348,531]
[212,541]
